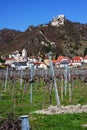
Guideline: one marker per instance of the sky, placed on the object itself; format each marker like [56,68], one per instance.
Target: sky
[20,14]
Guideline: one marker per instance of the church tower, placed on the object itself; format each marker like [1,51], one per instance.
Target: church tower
[24,54]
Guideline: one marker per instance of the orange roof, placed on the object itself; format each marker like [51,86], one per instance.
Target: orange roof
[37,63]
[60,58]
[76,58]
[85,57]
[54,61]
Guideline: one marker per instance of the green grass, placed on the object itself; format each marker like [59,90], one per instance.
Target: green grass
[17,101]
[58,122]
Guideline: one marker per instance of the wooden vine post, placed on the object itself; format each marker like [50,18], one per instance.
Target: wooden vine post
[31,78]
[54,80]
[6,78]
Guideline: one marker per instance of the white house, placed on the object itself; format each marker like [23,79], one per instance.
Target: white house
[85,59]
[42,66]
[19,65]
[14,54]
[32,59]
[76,61]
[9,61]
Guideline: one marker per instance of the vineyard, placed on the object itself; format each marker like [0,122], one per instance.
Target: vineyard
[25,91]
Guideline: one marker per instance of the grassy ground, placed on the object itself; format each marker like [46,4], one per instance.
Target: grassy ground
[16,99]
[58,122]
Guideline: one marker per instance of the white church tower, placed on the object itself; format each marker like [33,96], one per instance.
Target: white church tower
[24,54]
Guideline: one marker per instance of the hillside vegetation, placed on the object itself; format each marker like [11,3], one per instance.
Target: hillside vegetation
[69,39]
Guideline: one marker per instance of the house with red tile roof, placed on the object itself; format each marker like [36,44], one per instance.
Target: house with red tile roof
[61,61]
[76,61]
[85,59]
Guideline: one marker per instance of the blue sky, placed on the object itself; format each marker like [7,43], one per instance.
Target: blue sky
[20,14]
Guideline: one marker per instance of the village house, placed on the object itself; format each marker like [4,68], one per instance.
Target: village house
[14,54]
[16,59]
[9,61]
[61,61]
[19,65]
[76,61]
[85,59]
[33,59]
[42,66]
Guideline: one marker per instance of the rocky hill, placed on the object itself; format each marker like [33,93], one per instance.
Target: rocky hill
[68,39]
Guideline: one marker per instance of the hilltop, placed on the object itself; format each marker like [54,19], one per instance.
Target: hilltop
[68,39]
